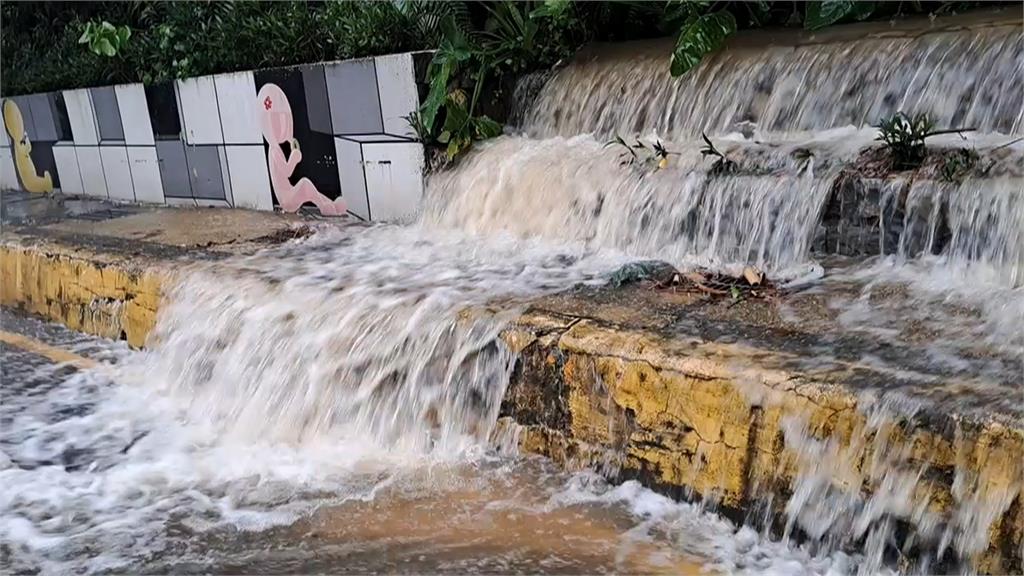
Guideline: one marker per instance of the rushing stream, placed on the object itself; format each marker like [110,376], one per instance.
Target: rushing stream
[330,404]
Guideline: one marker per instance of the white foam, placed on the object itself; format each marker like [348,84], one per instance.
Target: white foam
[699,533]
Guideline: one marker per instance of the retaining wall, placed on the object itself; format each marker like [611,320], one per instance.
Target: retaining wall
[330,135]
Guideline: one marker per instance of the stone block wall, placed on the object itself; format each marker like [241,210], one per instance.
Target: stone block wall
[331,136]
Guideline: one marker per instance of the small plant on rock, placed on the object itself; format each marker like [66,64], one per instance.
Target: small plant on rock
[903,136]
[723,165]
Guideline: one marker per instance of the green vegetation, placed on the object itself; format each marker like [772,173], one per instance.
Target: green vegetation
[482,47]
[105,38]
[957,164]
[701,35]
[903,136]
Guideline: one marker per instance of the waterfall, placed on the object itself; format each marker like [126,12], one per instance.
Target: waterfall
[961,78]
[327,363]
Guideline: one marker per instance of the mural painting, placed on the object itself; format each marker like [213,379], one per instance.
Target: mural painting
[328,137]
[21,145]
[277,124]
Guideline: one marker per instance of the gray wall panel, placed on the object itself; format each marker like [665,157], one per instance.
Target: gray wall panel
[108,115]
[204,172]
[355,107]
[25,107]
[318,106]
[42,118]
[173,168]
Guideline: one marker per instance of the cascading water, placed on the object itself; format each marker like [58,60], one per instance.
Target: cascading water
[575,189]
[332,338]
[322,372]
[963,78]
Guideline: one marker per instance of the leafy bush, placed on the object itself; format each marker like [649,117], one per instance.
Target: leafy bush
[516,38]
[104,38]
[482,48]
[903,136]
[461,128]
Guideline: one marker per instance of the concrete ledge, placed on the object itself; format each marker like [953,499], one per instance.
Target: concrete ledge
[99,268]
[87,291]
[720,423]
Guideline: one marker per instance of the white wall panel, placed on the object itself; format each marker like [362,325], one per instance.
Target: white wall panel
[145,169]
[8,174]
[81,117]
[66,160]
[396,81]
[394,179]
[131,100]
[236,99]
[250,179]
[197,100]
[117,172]
[5,138]
[91,166]
[350,174]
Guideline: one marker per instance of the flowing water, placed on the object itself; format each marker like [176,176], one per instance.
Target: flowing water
[330,404]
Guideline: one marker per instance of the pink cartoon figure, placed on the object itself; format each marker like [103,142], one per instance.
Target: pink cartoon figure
[275,116]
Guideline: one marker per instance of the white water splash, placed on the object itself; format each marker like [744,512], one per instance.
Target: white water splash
[574,189]
[386,337]
[962,78]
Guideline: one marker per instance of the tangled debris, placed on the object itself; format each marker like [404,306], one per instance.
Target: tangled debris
[642,157]
[750,283]
[287,234]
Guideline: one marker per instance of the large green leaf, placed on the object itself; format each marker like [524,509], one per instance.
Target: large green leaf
[826,12]
[438,90]
[86,33]
[700,37]
[123,34]
[103,46]
[454,50]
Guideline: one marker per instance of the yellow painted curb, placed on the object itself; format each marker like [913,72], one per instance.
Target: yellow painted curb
[45,350]
[88,292]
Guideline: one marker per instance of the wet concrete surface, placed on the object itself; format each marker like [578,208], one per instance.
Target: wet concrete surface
[161,232]
[925,351]
[26,209]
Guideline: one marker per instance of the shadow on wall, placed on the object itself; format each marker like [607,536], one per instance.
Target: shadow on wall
[332,137]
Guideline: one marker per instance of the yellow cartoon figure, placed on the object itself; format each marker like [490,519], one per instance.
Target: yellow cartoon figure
[22,146]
